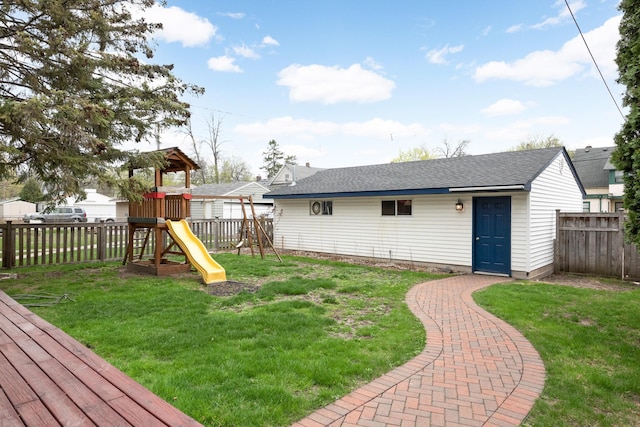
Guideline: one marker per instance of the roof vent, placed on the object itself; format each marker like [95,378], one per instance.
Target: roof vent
[587,148]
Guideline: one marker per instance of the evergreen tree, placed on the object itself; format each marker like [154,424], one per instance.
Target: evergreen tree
[31,191]
[625,157]
[274,159]
[74,88]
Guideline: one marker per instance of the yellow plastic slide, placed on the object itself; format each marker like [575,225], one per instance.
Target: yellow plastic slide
[197,253]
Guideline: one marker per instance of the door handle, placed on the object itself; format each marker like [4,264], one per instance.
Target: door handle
[477,238]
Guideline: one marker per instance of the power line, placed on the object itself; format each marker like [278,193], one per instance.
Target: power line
[594,62]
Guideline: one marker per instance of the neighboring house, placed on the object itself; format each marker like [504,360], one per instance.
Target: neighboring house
[97,206]
[602,182]
[208,207]
[492,213]
[290,173]
[13,209]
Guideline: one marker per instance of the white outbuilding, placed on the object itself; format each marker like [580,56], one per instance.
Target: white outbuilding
[491,213]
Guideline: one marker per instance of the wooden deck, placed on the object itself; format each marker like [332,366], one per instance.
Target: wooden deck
[48,378]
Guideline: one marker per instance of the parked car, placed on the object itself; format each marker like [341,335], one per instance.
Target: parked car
[63,214]
[103,219]
[35,217]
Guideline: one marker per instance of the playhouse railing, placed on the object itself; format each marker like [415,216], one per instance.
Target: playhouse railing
[162,205]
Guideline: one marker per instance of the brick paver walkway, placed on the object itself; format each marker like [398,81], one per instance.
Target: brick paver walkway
[476,370]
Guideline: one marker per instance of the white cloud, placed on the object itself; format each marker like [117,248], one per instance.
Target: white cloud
[233,15]
[303,129]
[547,67]
[515,28]
[332,85]
[246,52]
[563,14]
[270,41]
[223,63]
[174,21]
[602,43]
[371,63]
[504,107]
[438,56]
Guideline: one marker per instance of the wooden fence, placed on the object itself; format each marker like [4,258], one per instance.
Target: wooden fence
[594,244]
[42,244]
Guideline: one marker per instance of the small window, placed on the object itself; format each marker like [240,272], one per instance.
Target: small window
[619,177]
[586,206]
[396,207]
[327,208]
[389,207]
[619,206]
[404,207]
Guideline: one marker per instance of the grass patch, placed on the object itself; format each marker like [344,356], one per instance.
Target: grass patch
[589,341]
[313,331]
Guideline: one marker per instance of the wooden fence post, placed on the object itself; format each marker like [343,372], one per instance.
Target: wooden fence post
[8,246]
[102,241]
[216,237]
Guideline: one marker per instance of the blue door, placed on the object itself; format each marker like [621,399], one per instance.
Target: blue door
[492,235]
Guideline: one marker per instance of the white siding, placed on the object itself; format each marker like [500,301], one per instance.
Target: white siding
[520,232]
[434,233]
[197,209]
[555,188]
[16,209]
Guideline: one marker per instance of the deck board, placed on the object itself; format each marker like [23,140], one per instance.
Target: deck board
[52,396]
[49,378]
[8,414]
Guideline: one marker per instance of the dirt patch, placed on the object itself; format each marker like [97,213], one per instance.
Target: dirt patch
[369,262]
[229,287]
[589,282]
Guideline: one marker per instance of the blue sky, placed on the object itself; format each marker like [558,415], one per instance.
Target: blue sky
[345,83]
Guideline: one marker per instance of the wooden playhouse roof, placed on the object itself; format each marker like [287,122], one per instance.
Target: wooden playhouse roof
[178,161]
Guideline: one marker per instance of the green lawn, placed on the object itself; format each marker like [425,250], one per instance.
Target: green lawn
[314,331]
[589,341]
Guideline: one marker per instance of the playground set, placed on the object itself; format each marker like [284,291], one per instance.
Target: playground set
[163,214]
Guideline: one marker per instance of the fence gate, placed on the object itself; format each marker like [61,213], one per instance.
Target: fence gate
[594,244]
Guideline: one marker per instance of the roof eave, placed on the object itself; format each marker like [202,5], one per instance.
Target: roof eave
[407,192]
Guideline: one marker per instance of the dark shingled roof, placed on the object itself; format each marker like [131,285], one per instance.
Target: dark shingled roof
[592,166]
[427,176]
